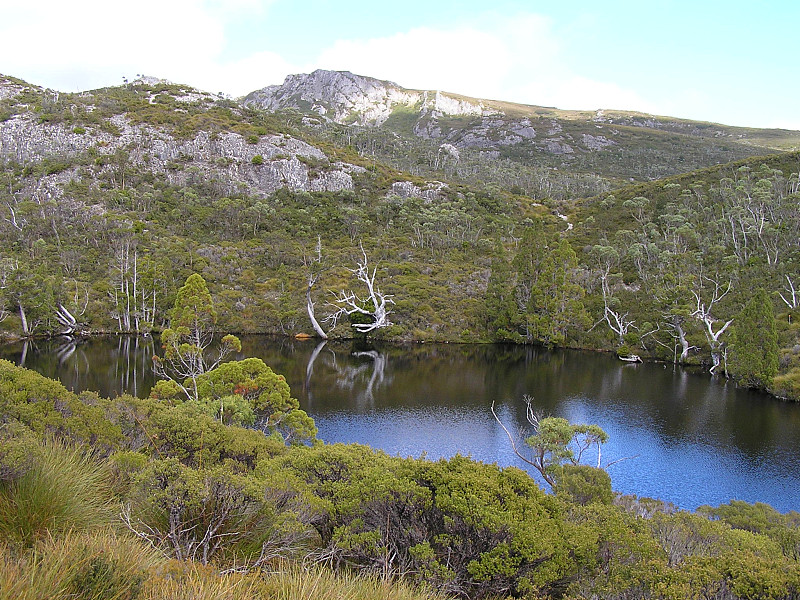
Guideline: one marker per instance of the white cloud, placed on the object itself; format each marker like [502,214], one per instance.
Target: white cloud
[242,76]
[471,60]
[522,58]
[574,92]
[515,58]
[92,43]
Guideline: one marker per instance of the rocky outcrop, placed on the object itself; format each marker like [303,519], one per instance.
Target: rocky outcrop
[260,168]
[433,190]
[338,96]
[596,142]
[10,87]
[436,104]
[23,139]
[346,98]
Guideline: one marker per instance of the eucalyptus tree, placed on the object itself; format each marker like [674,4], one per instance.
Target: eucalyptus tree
[707,300]
[313,272]
[189,351]
[607,258]
[554,443]
[792,298]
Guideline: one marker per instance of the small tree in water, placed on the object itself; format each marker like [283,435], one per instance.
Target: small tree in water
[556,449]
[187,343]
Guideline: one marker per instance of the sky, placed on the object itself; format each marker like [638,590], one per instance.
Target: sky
[730,62]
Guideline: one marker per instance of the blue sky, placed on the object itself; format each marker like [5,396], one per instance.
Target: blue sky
[729,62]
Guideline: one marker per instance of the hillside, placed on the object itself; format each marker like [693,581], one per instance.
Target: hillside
[484,141]
[111,198]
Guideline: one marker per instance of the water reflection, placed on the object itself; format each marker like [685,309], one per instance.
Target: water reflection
[111,365]
[359,379]
[698,441]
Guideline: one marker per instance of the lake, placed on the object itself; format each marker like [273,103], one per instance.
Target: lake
[686,438]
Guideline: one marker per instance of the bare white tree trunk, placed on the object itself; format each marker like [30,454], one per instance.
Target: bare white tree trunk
[66,320]
[310,308]
[376,302]
[703,314]
[791,299]
[312,279]
[24,320]
[618,322]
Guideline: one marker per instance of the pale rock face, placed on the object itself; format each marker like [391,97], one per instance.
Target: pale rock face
[436,102]
[343,97]
[24,139]
[596,142]
[338,96]
[226,157]
[9,89]
[554,146]
[405,189]
[523,129]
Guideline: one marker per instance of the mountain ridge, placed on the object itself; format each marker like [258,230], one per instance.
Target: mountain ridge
[334,95]
[477,141]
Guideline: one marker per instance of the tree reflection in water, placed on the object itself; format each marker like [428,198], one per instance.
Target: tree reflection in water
[371,373]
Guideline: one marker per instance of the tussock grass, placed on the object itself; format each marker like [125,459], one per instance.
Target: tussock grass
[79,565]
[61,489]
[299,583]
[191,581]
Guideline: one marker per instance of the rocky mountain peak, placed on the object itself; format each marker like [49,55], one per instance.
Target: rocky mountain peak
[345,97]
[338,96]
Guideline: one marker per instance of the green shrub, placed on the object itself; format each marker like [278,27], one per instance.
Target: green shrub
[787,385]
[583,485]
[47,407]
[213,513]
[257,160]
[457,525]
[266,394]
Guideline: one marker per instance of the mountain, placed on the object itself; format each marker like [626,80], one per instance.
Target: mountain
[485,221]
[490,135]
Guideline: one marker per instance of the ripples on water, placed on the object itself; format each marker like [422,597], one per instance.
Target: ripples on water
[695,441]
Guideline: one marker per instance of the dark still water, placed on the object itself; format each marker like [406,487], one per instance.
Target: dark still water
[695,441]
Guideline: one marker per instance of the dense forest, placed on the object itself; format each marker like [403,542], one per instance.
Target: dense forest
[155,208]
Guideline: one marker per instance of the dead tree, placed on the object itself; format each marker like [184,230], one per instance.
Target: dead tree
[313,267]
[792,299]
[703,314]
[66,320]
[375,306]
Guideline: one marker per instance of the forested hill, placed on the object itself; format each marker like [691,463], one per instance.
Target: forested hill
[111,198]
